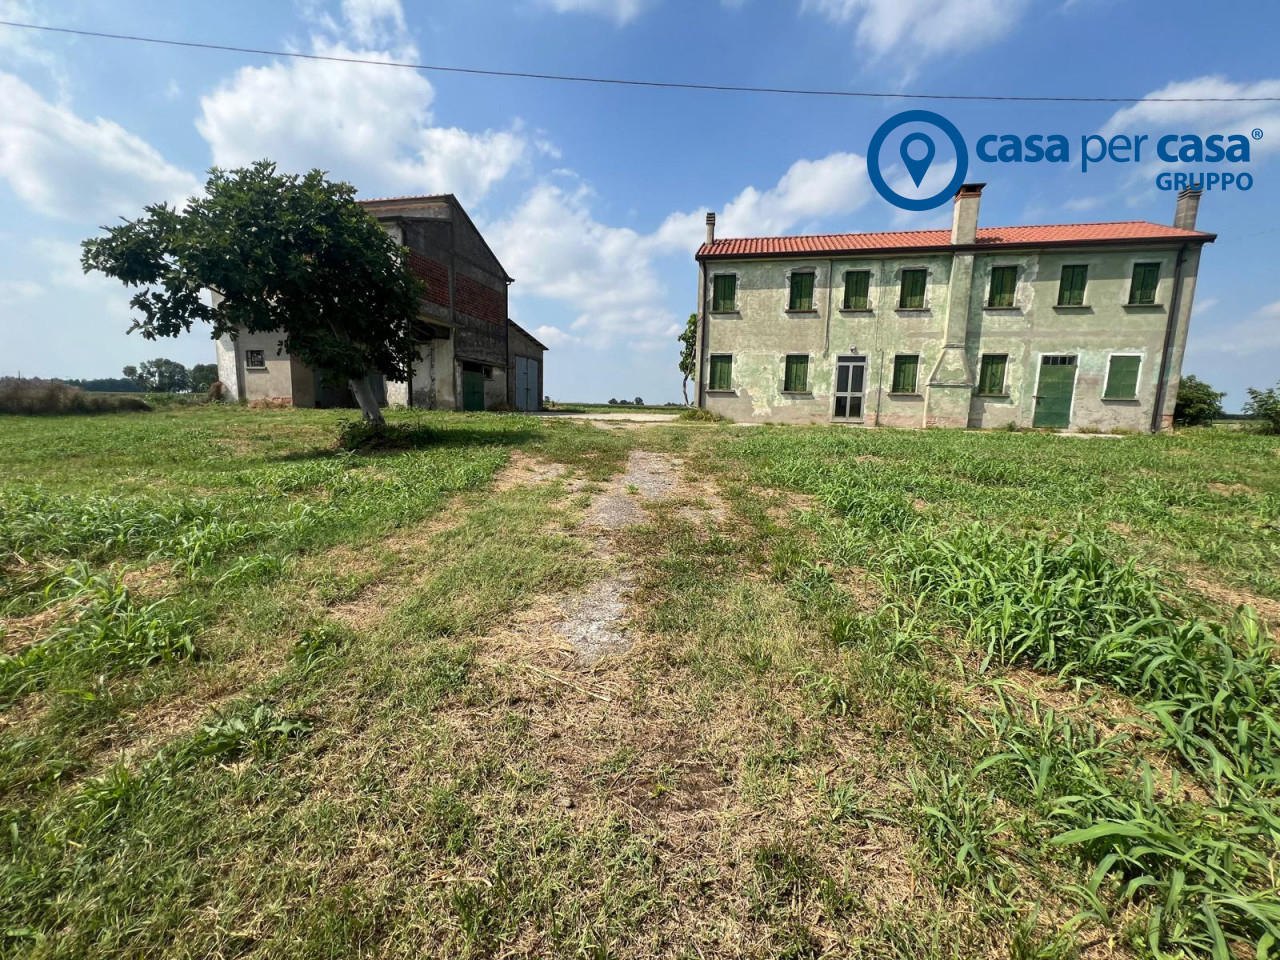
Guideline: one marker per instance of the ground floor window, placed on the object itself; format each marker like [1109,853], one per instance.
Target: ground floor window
[905,368]
[991,375]
[1122,377]
[721,377]
[796,378]
[254,359]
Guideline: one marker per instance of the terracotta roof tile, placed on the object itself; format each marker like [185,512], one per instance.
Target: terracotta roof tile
[1058,233]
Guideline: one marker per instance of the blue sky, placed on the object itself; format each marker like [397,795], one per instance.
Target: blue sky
[594,197]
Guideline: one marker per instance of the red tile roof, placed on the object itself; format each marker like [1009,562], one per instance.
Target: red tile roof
[1127,231]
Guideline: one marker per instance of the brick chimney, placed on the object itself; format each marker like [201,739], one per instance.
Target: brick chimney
[1184,217]
[711,228]
[964,213]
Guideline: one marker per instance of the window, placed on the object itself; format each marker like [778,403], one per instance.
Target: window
[796,378]
[1143,288]
[912,296]
[857,284]
[721,372]
[255,360]
[991,375]
[904,372]
[801,292]
[1003,282]
[724,299]
[1122,377]
[1071,288]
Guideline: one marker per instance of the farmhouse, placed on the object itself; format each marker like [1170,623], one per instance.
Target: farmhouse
[1066,326]
[471,356]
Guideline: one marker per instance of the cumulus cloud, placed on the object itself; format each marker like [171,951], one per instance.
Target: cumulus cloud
[922,26]
[620,11]
[834,185]
[1244,338]
[371,125]
[65,166]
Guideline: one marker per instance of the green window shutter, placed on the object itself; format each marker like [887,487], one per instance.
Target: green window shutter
[1004,280]
[801,292]
[904,373]
[991,377]
[857,286]
[721,372]
[912,297]
[1122,378]
[1145,278]
[726,294]
[796,378]
[1071,288]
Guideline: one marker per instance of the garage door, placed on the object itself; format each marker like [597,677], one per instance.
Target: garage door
[527,383]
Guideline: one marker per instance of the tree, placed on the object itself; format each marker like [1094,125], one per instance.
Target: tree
[1264,405]
[281,252]
[203,376]
[162,376]
[131,373]
[1198,404]
[688,359]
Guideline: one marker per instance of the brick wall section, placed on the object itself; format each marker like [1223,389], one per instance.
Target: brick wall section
[479,301]
[436,276]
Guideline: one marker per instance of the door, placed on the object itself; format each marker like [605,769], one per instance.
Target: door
[472,390]
[851,378]
[526,383]
[1053,393]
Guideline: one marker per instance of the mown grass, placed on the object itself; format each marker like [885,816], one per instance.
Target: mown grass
[904,695]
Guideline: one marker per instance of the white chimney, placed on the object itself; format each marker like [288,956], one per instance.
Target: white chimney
[711,228]
[964,213]
[1184,217]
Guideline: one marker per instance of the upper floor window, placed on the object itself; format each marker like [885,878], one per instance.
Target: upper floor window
[1145,278]
[801,292]
[1071,286]
[724,297]
[1004,280]
[255,359]
[912,295]
[721,374]
[857,289]
[905,369]
[796,374]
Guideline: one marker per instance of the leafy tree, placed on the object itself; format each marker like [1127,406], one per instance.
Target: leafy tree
[281,252]
[1264,405]
[688,359]
[1198,404]
[639,402]
[203,376]
[131,373]
[163,376]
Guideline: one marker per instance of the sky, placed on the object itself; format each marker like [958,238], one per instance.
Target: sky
[594,197]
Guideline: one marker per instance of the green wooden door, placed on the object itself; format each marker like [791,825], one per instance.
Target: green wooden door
[472,390]
[1053,398]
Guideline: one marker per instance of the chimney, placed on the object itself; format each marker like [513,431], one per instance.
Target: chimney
[711,228]
[1184,217]
[964,215]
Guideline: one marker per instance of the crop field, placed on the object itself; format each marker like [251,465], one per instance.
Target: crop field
[502,686]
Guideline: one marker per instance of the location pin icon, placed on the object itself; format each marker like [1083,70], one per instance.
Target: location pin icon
[917,168]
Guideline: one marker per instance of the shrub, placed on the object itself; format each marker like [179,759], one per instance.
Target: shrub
[365,437]
[1264,406]
[1198,404]
[31,397]
[698,415]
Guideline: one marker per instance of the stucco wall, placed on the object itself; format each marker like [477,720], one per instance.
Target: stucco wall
[275,381]
[761,332]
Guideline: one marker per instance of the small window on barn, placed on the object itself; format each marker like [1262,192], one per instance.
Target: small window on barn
[724,299]
[857,287]
[796,374]
[488,373]
[905,367]
[1071,287]
[1004,281]
[721,376]
[1142,291]
[255,360]
[912,295]
[801,292]
[1122,377]
[991,375]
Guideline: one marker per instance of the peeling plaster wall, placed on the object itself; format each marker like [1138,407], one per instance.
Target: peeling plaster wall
[761,332]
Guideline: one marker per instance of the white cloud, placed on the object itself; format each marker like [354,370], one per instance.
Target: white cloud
[19,289]
[922,26]
[554,336]
[1245,338]
[1203,118]
[370,125]
[608,276]
[65,166]
[620,11]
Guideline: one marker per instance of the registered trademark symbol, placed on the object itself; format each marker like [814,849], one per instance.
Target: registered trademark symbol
[1257,133]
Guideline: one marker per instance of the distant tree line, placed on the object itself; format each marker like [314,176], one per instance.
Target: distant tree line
[153,376]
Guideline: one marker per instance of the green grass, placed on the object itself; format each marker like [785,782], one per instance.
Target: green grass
[907,694]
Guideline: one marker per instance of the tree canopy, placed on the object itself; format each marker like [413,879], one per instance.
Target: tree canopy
[1198,404]
[688,348]
[281,252]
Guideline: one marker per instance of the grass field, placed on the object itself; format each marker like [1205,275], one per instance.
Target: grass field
[538,688]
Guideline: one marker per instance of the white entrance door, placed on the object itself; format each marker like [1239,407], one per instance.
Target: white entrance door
[851,376]
[526,383]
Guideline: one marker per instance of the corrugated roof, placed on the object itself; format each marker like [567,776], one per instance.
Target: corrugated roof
[1138,231]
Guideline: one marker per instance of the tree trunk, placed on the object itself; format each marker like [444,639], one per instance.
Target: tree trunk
[684,387]
[363,393]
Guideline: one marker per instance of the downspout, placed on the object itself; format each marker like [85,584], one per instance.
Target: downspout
[831,282]
[1170,329]
[701,352]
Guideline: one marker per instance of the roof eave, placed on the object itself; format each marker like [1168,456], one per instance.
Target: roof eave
[960,248]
